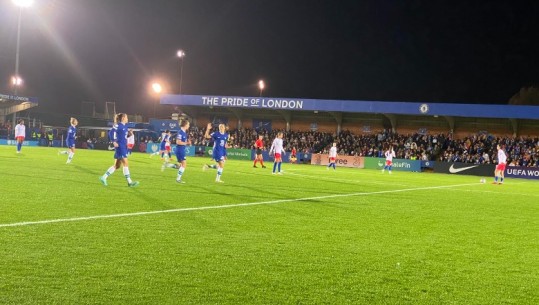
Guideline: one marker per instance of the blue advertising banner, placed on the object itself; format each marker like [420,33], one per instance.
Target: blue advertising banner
[398,164]
[304,157]
[522,172]
[189,150]
[162,125]
[427,164]
[199,150]
[18,98]
[14,142]
[462,110]
[154,147]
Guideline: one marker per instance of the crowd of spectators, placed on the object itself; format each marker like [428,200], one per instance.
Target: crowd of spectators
[32,133]
[6,129]
[477,149]
[244,138]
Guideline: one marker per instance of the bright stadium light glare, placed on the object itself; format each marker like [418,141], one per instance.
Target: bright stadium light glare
[16,81]
[261,86]
[23,3]
[180,53]
[157,88]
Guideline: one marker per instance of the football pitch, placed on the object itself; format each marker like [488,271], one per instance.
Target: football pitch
[309,236]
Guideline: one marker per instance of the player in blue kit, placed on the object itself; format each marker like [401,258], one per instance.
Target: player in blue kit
[220,143]
[182,140]
[70,140]
[120,154]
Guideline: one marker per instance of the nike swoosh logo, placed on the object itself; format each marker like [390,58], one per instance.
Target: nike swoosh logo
[453,170]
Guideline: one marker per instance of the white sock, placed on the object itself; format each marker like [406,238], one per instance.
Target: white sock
[219,173]
[180,173]
[109,172]
[127,175]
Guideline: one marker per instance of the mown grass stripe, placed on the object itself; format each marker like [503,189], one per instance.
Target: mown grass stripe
[74,219]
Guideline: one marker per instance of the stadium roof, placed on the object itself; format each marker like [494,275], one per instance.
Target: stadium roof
[350,106]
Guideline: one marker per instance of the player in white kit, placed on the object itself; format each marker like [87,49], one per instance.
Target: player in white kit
[20,134]
[500,168]
[332,156]
[277,151]
[389,154]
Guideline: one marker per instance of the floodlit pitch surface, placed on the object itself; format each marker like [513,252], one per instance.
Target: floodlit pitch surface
[310,236]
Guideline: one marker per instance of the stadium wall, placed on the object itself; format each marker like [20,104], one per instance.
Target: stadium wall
[318,125]
[246,123]
[233,123]
[528,128]
[278,124]
[372,124]
[466,126]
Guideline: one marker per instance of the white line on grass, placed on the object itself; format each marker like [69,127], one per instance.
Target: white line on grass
[28,223]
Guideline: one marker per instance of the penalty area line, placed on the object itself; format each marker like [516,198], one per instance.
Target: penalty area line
[85,218]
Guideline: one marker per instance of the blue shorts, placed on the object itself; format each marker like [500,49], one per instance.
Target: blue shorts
[70,143]
[120,153]
[217,156]
[180,155]
[162,146]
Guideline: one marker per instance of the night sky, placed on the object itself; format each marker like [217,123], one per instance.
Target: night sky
[111,50]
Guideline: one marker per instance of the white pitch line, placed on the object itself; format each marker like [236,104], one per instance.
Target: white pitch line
[28,223]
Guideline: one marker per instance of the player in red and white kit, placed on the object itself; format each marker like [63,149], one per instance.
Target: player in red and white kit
[389,154]
[130,141]
[500,168]
[278,151]
[332,156]
[20,134]
[259,145]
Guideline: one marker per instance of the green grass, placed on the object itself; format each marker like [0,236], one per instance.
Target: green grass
[318,237]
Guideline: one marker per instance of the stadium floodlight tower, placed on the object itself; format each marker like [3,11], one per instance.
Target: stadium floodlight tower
[21,4]
[261,86]
[157,89]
